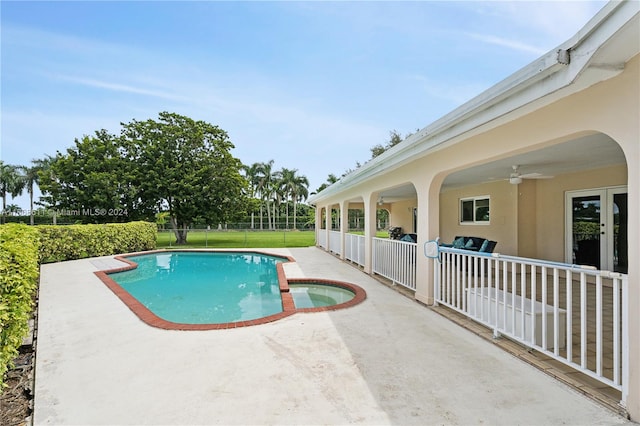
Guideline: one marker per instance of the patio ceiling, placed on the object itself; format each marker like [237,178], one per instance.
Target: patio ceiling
[588,152]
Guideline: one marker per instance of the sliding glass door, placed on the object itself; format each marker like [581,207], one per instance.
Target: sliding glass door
[596,228]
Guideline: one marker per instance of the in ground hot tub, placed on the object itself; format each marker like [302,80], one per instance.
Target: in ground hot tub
[324,294]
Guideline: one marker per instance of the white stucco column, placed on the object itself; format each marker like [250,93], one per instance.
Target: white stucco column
[633,302]
[428,224]
[327,225]
[344,226]
[318,222]
[369,230]
[621,124]
[629,142]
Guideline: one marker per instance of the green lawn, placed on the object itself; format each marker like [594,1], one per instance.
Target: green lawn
[239,239]
[379,234]
[244,239]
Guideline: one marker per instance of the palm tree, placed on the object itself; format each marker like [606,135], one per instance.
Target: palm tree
[32,176]
[293,187]
[331,179]
[265,187]
[252,173]
[299,193]
[11,183]
[13,210]
[277,197]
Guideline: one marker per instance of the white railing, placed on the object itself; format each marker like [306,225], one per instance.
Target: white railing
[354,248]
[395,260]
[321,236]
[573,314]
[334,242]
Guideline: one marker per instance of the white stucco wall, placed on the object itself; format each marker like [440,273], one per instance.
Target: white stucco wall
[529,219]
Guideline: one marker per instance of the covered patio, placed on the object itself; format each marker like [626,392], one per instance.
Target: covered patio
[385,361]
[547,164]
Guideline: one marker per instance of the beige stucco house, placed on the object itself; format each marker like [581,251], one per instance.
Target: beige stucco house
[547,164]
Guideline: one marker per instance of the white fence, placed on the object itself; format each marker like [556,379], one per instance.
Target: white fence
[573,314]
[354,248]
[334,242]
[321,238]
[395,260]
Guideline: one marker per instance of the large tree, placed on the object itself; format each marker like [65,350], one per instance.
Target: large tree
[186,167]
[94,181]
[172,164]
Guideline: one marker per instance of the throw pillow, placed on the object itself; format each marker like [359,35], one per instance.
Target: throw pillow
[458,243]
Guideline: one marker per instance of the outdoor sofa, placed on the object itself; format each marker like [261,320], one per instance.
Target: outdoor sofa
[481,245]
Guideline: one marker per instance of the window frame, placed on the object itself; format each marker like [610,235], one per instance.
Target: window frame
[474,201]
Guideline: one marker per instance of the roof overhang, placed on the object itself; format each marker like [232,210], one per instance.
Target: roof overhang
[596,53]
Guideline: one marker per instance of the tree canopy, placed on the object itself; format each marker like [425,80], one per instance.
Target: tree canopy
[273,188]
[173,163]
[294,187]
[394,139]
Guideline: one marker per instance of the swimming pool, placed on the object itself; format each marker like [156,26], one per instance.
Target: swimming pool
[203,290]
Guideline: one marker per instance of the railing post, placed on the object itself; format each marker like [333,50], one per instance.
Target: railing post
[625,340]
[543,323]
[437,274]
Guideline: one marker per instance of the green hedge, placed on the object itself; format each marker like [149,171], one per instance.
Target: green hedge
[23,248]
[71,242]
[18,282]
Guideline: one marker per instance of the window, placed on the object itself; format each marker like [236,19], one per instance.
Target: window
[474,210]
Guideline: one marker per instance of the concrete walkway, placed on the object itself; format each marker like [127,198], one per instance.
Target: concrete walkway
[388,360]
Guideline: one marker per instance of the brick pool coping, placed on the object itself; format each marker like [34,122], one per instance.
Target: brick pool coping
[288,307]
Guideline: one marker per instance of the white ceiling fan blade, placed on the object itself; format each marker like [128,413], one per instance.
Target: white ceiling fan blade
[535,176]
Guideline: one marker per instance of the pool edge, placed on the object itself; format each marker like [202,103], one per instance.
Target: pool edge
[288,306]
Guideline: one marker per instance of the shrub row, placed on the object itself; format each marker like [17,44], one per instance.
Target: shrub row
[23,248]
[71,242]
[18,282]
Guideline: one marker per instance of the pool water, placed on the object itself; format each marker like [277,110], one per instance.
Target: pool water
[318,295]
[205,288]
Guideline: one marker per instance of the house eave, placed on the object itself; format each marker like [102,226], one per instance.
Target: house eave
[569,68]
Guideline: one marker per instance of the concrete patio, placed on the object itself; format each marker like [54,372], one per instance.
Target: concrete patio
[388,360]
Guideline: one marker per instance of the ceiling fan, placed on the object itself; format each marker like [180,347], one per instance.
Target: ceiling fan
[516,177]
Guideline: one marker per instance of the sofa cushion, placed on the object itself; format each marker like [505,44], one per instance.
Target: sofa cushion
[488,246]
[458,243]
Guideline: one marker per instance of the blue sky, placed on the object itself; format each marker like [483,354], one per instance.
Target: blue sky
[311,85]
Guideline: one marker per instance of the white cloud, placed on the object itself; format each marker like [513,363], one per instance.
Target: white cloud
[36,39]
[118,87]
[454,92]
[509,43]
[547,20]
